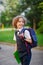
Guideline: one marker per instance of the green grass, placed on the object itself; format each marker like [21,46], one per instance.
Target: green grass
[7,36]
[40,39]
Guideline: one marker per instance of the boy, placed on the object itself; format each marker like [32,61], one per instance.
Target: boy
[24,53]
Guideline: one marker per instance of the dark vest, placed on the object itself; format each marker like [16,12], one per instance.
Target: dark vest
[20,43]
[21,47]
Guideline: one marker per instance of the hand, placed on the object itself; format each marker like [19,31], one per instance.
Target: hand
[14,57]
[28,40]
[21,35]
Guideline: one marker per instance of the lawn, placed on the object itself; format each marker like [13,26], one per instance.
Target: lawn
[40,39]
[7,36]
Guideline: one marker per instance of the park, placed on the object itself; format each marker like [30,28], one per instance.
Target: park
[33,11]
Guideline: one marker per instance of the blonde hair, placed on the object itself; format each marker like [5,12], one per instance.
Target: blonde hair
[16,19]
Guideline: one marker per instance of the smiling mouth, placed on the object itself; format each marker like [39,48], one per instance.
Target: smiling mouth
[20,25]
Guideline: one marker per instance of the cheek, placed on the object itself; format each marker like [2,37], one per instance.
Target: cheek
[17,24]
[22,24]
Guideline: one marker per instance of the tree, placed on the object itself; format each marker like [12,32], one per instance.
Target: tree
[35,14]
[15,7]
[10,11]
[41,21]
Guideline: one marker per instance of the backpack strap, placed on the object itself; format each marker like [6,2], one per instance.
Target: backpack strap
[34,38]
[32,33]
[27,46]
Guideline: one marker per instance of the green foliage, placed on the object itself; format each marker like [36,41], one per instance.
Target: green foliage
[16,7]
[10,12]
[40,29]
[34,15]
[40,25]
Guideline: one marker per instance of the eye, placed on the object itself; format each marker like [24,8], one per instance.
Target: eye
[19,21]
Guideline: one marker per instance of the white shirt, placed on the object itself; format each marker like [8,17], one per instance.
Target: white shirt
[14,38]
[26,34]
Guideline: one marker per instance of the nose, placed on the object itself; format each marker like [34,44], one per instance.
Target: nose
[21,22]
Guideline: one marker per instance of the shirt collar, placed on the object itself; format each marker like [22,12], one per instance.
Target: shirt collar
[20,29]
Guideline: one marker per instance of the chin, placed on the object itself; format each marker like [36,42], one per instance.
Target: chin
[20,27]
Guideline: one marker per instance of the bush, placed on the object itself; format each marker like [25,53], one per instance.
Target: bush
[40,39]
[40,29]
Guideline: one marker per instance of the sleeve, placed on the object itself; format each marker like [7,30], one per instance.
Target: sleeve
[14,38]
[27,34]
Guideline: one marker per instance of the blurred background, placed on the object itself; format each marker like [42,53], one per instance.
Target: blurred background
[31,9]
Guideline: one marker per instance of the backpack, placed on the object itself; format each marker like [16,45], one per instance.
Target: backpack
[33,37]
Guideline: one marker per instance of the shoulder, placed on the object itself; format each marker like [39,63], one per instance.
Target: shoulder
[26,29]
[27,32]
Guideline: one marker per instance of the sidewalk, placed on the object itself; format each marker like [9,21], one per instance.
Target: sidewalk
[7,58]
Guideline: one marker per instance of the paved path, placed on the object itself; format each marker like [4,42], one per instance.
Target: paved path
[6,56]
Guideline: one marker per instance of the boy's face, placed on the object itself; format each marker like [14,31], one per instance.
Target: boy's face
[20,23]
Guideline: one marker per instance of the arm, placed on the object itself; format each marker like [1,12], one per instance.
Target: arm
[28,40]
[15,47]
[27,36]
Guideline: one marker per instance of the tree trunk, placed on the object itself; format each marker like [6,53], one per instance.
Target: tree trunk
[34,24]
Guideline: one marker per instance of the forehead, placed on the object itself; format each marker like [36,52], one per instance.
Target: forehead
[21,19]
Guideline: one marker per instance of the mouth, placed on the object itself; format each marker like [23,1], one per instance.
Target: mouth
[20,25]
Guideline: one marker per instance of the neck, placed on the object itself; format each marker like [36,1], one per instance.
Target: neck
[19,29]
